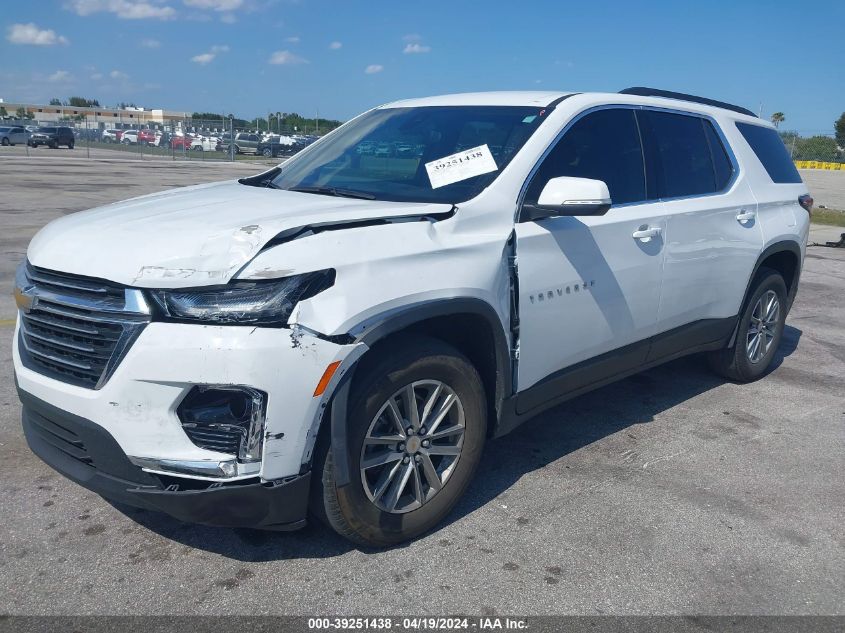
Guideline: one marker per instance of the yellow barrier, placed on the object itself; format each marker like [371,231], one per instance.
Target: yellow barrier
[819,164]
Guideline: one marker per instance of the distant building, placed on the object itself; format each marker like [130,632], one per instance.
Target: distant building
[100,117]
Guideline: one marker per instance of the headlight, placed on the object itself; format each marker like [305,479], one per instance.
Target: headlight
[242,302]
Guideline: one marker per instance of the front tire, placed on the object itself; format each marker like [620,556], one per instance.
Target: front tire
[416,430]
[758,333]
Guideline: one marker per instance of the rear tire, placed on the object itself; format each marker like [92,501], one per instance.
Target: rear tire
[759,330]
[5,142]
[70,145]
[423,490]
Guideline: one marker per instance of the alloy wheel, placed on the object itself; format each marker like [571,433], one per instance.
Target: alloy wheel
[412,446]
[763,325]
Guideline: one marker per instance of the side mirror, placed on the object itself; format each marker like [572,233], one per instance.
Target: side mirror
[569,196]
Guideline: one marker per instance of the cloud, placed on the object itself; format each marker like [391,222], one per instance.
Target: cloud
[96,76]
[215,5]
[372,69]
[118,74]
[412,37]
[414,47]
[150,43]
[286,58]
[125,9]
[31,34]
[294,39]
[60,76]
[207,58]
[228,18]
[336,45]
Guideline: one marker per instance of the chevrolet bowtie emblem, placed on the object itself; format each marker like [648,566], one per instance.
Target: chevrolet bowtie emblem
[23,300]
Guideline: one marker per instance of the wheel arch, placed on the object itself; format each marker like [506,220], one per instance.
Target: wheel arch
[470,325]
[783,256]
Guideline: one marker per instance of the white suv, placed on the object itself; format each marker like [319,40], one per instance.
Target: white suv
[342,333]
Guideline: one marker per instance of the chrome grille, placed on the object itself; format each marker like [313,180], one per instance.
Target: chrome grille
[76,329]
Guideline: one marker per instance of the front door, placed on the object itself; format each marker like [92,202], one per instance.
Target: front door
[589,287]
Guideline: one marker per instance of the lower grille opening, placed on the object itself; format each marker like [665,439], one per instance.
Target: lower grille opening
[225,419]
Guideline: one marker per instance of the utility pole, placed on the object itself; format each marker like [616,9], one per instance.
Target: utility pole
[232,138]
[317,120]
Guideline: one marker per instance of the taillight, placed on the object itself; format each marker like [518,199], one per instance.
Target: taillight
[806,202]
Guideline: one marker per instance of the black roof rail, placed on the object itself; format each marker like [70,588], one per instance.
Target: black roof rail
[668,94]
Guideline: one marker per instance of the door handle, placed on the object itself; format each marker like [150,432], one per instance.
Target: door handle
[745,216]
[645,232]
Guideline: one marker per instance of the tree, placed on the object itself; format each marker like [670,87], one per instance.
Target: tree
[839,129]
[815,148]
[22,113]
[55,102]
[3,113]
[82,102]
[778,118]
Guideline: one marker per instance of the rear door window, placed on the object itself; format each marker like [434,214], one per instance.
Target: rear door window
[680,151]
[771,152]
[723,169]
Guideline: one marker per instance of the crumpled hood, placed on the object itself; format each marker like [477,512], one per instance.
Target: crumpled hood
[195,236]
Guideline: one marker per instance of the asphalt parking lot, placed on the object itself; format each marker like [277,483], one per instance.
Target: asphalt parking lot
[672,492]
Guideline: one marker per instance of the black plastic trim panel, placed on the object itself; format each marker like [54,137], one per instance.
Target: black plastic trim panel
[87,454]
[700,336]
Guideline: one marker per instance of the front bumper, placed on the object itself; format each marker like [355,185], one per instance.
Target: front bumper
[86,453]
[138,404]
[41,141]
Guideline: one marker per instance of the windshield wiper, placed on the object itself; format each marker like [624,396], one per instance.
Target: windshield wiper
[335,191]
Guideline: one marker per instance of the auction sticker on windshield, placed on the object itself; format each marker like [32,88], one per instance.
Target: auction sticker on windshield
[466,164]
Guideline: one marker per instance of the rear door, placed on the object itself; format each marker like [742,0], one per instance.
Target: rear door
[713,238]
[588,287]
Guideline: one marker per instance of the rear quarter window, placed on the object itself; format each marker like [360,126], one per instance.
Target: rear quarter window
[770,150]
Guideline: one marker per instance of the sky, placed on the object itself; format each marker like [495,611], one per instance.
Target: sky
[338,58]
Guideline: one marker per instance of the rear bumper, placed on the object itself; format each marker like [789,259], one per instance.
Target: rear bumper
[88,454]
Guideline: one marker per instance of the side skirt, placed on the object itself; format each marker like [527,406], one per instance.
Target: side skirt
[700,336]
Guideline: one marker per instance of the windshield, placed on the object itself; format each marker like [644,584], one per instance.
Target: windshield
[397,153]
[47,130]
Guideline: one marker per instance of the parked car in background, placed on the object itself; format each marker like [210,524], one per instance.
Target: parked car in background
[147,137]
[111,136]
[203,144]
[275,146]
[31,128]
[130,137]
[13,135]
[52,137]
[180,142]
[246,143]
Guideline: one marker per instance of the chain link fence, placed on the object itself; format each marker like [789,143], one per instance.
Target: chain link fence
[185,139]
[819,151]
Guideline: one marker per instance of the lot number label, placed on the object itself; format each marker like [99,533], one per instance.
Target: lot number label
[466,164]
